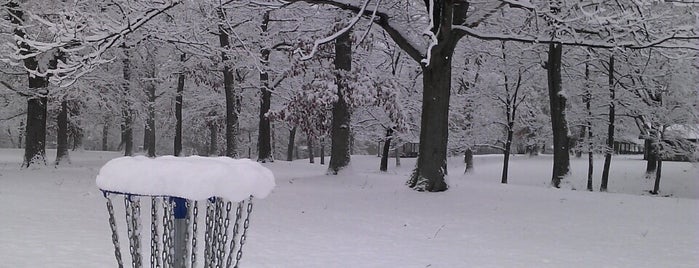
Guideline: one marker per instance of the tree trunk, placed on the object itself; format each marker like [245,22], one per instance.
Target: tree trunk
[651,157]
[20,135]
[340,132]
[74,125]
[127,128]
[559,123]
[290,147]
[178,109]
[105,135]
[231,95]
[386,148]
[587,99]
[431,164]
[610,128]
[468,160]
[658,172]
[581,138]
[62,139]
[311,157]
[150,121]
[508,148]
[264,147]
[322,151]
[35,137]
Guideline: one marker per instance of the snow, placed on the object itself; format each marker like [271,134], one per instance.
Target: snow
[194,177]
[56,217]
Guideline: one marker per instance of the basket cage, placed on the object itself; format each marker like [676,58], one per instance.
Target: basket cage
[179,232]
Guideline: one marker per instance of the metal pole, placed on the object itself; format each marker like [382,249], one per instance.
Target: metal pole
[180,230]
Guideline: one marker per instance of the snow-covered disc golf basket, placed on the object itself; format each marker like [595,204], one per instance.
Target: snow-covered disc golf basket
[198,208]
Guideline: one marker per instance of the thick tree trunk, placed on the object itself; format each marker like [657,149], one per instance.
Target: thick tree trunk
[179,98]
[468,160]
[340,132]
[431,164]
[559,123]
[127,124]
[232,107]
[610,128]
[290,146]
[62,139]
[264,147]
[386,148]
[35,137]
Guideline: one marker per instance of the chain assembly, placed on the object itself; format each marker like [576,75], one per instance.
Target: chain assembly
[224,234]
[113,227]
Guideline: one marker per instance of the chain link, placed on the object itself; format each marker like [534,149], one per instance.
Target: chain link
[208,235]
[236,224]
[154,245]
[113,227]
[246,225]
[195,212]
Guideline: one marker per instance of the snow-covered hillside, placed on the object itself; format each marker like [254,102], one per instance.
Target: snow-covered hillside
[363,218]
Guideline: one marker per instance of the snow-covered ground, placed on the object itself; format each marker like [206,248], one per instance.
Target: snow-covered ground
[363,218]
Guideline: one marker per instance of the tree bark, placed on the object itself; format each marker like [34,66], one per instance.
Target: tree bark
[397,152]
[431,164]
[651,157]
[610,128]
[290,146]
[127,128]
[658,172]
[506,153]
[559,123]
[105,135]
[386,148]
[468,160]
[587,99]
[62,137]
[179,98]
[340,131]
[231,95]
[264,147]
[311,157]
[150,121]
[35,137]
[322,151]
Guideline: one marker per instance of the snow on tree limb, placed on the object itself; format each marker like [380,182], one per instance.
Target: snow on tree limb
[337,34]
[659,42]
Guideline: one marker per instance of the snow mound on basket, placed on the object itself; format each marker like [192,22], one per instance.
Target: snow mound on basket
[193,177]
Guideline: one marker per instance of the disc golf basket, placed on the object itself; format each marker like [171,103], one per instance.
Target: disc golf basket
[198,209]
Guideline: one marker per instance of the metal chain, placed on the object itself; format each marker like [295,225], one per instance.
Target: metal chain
[246,225]
[154,250]
[218,231]
[195,212]
[136,222]
[130,229]
[208,234]
[187,220]
[226,223]
[233,245]
[113,227]
[167,234]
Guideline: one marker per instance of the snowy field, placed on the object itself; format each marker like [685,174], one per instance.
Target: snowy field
[363,218]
